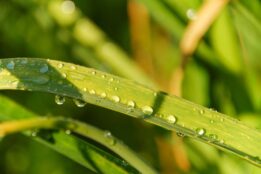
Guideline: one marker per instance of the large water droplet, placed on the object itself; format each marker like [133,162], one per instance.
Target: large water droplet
[10,65]
[79,103]
[147,110]
[109,138]
[200,131]
[59,99]
[171,119]
[44,68]
[115,98]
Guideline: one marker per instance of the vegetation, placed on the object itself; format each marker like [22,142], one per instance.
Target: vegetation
[202,54]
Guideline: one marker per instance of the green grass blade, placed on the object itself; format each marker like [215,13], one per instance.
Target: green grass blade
[132,99]
[70,146]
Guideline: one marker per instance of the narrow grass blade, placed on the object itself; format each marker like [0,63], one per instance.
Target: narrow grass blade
[70,146]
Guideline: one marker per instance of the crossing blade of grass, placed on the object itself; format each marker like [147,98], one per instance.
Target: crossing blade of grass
[132,99]
[70,146]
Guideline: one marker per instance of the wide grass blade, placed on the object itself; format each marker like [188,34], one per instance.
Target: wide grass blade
[132,99]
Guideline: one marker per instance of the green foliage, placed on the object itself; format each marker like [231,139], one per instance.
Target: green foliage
[224,74]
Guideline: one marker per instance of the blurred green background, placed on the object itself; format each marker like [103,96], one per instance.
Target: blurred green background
[138,40]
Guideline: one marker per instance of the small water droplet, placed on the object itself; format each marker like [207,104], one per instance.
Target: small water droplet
[84,89]
[111,79]
[200,131]
[44,68]
[59,99]
[42,79]
[147,110]
[103,76]
[180,134]
[64,75]
[103,95]
[10,65]
[191,14]
[79,103]
[115,98]
[171,119]
[213,137]
[201,111]
[68,131]
[222,141]
[60,65]
[222,119]
[116,89]
[93,72]
[34,133]
[211,121]
[24,61]
[73,67]
[92,92]
[109,138]
[131,104]
[155,94]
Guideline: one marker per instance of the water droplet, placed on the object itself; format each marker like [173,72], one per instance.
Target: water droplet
[68,131]
[147,110]
[79,103]
[92,92]
[213,137]
[42,79]
[68,7]
[103,95]
[200,131]
[93,72]
[211,121]
[109,138]
[60,65]
[191,14]
[64,75]
[155,94]
[222,119]
[131,104]
[116,89]
[10,65]
[34,133]
[201,111]
[115,98]
[103,76]
[222,141]
[180,134]
[73,67]
[44,68]
[111,79]
[171,119]
[24,61]
[59,99]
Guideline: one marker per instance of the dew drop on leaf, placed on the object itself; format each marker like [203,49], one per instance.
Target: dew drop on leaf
[103,95]
[147,110]
[59,99]
[10,65]
[60,65]
[115,98]
[44,68]
[68,131]
[109,138]
[131,104]
[79,103]
[171,119]
[200,131]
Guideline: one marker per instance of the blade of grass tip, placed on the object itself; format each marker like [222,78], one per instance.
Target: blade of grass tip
[132,99]
[103,137]
[70,146]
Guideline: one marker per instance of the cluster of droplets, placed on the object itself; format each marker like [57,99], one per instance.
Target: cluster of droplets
[60,100]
